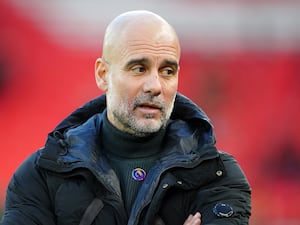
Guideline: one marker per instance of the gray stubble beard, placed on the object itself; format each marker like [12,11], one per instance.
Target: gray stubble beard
[131,124]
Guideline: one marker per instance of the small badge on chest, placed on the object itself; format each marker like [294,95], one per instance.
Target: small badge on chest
[138,174]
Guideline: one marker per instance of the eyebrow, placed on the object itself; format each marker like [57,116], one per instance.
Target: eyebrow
[170,63]
[145,61]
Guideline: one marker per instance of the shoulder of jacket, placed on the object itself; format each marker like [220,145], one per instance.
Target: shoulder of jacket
[234,171]
[226,155]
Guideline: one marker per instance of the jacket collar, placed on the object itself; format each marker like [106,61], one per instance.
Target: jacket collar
[187,118]
[184,109]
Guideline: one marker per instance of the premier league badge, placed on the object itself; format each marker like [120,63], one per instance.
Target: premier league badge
[138,174]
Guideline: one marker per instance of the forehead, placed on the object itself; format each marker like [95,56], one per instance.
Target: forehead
[148,45]
[148,48]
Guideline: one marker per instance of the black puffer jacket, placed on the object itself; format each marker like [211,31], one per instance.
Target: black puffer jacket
[70,180]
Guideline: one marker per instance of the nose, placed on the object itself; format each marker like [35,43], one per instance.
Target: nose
[152,84]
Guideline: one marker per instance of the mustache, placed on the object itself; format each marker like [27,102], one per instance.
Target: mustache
[149,100]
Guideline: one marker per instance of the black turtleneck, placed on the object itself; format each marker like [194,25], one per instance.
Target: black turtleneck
[126,153]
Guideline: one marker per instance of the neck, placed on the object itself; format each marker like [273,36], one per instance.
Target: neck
[126,145]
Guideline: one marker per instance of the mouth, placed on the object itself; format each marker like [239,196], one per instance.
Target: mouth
[149,107]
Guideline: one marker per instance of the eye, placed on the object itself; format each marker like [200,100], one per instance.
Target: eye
[138,69]
[168,71]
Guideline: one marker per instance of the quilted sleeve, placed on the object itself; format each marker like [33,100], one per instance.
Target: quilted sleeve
[27,201]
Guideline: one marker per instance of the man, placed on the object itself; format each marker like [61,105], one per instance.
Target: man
[140,154]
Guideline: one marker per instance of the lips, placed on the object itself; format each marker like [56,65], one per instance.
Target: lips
[150,105]
[149,108]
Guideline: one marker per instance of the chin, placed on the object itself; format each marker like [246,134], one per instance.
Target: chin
[150,127]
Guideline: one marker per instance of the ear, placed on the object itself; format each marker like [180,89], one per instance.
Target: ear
[101,74]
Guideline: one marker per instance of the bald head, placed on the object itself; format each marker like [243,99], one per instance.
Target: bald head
[136,26]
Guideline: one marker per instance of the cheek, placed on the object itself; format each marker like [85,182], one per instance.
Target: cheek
[120,89]
[119,94]
[169,95]
[170,89]
[126,89]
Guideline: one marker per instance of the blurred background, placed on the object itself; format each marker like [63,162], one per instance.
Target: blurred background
[240,62]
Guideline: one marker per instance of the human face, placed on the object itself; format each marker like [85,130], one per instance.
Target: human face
[142,84]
